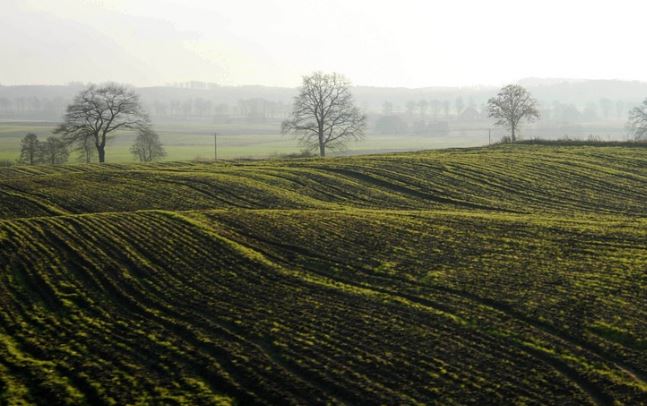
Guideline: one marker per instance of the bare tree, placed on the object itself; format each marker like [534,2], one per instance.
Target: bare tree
[435,108]
[423,105]
[387,108]
[54,151]
[459,105]
[410,107]
[638,121]
[29,149]
[147,146]
[446,108]
[606,106]
[324,115]
[620,108]
[590,111]
[512,104]
[98,112]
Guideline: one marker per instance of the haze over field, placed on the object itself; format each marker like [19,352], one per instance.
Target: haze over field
[413,43]
[421,71]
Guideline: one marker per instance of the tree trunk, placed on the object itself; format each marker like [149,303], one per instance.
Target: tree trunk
[102,154]
[514,137]
[322,145]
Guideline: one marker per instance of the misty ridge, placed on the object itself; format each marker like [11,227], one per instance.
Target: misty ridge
[577,108]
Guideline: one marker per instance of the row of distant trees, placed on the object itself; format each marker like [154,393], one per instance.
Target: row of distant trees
[51,151]
[260,109]
[55,150]
[445,109]
[22,105]
[251,109]
[324,116]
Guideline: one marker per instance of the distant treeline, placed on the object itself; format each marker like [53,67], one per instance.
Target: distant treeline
[560,101]
[254,109]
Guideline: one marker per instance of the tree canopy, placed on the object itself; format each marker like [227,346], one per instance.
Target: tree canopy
[324,115]
[512,104]
[638,121]
[30,149]
[147,146]
[97,112]
[52,151]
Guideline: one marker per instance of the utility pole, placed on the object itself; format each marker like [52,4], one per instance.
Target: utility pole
[215,146]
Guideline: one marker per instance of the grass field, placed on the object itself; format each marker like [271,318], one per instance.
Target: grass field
[185,141]
[514,274]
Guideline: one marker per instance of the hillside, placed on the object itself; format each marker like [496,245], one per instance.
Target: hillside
[519,179]
[512,274]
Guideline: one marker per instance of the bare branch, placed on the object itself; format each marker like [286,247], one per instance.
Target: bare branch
[98,112]
[511,105]
[637,124]
[324,115]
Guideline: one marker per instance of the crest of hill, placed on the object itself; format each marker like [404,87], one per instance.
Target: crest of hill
[509,178]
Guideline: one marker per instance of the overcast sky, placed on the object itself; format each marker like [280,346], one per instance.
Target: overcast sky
[411,43]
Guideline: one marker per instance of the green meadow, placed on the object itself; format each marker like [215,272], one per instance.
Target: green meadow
[185,141]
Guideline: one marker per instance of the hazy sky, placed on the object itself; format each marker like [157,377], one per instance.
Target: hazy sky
[412,43]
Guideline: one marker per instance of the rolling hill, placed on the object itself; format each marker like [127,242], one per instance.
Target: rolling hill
[511,274]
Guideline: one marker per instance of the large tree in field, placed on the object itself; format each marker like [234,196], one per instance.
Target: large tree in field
[512,104]
[97,112]
[324,115]
[638,121]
